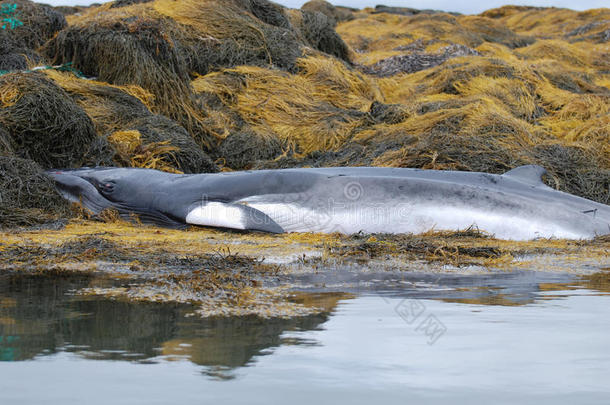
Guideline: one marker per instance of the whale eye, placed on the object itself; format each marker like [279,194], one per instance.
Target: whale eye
[106,186]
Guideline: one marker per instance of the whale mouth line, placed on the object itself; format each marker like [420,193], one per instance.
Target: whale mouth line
[148,216]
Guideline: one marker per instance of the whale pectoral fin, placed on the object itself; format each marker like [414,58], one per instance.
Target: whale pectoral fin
[529,174]
[231,215]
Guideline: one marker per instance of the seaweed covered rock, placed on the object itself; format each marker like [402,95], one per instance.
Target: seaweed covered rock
[145,139]
[25,27]
[110,107]
[131,151]
[267,11]
[6,143]
[560,56]
[448,77]
[242,150]
[388,113]
[158,45]
[380,8]
[188,156]
[27,196]
[318,108]
[551,22]
[579,170]
[125,3]
[44,123]
[194,35]
[484,29]
[134,50]
[318,32]
[101,47]
[14,55]
[70,10]
[381,36]
[35,23]
[336,14]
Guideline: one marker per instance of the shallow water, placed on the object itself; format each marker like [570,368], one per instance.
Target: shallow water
[522,337]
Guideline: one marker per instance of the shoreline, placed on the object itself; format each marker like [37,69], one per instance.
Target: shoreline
[227,273]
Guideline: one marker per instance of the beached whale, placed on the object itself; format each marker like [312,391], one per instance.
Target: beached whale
[516,205]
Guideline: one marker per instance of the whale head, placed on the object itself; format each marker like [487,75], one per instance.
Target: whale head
[128,191]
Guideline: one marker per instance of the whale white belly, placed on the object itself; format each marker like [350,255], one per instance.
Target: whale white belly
[409,218]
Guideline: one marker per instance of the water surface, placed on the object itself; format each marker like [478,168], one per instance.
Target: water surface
[522,337]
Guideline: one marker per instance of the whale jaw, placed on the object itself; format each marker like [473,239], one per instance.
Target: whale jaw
[77,189]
